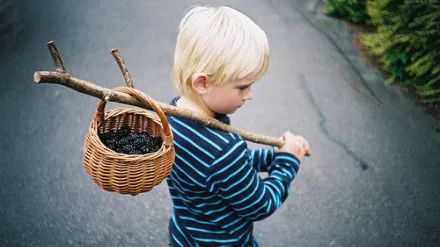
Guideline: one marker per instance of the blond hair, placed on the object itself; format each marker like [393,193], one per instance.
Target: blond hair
[220,42]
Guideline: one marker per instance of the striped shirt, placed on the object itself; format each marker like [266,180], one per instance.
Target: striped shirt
[215,187]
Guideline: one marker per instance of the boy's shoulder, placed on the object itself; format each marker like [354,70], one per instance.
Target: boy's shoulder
[200,139]
[197,132]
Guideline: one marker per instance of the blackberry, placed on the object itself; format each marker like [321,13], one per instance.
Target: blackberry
[124,141]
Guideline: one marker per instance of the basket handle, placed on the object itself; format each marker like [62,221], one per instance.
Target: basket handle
[99,114]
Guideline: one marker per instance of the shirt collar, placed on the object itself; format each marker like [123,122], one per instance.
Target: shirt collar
[221,117]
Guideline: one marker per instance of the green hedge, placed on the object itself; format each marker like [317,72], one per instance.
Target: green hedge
[352,10]
[406,40]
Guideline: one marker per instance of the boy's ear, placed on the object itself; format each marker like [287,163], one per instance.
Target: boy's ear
[200,83]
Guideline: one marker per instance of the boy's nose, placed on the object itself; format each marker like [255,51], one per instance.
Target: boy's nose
[248,95]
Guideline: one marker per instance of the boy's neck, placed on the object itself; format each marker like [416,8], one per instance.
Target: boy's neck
[193,105]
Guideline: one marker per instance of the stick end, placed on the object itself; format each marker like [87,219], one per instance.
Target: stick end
[37,77]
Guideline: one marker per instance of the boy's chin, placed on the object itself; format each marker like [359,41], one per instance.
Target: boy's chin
[227,112]
[232,111]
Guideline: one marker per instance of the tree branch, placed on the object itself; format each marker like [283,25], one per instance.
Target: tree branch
[91,89]
[127,77]
[56,57]
[61,77]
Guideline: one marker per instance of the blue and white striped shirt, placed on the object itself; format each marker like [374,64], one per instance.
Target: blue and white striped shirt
[215,188]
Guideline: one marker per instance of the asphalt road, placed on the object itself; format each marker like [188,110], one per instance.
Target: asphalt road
[373,179]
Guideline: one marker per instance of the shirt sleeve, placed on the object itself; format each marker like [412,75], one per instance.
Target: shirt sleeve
[261,158]
[233,178]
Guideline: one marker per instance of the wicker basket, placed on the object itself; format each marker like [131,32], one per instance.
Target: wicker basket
[124,173]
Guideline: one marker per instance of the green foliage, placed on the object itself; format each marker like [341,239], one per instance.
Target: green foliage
[407,42]
[352,10]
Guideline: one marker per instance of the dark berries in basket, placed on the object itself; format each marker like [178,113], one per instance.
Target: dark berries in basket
[124,141]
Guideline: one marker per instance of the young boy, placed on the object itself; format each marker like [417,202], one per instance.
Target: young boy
[214,185]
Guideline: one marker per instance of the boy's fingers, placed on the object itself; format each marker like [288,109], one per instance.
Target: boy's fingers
[306,148]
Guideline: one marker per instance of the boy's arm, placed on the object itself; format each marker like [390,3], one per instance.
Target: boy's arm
[234,180]
[261,158]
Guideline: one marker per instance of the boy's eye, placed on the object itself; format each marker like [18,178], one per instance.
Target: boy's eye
[243,87]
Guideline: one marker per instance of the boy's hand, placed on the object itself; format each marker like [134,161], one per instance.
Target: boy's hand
[294,144]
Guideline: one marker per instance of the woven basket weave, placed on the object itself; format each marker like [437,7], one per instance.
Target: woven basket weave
[124,173]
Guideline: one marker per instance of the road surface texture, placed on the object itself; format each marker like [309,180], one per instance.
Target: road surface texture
[373,178]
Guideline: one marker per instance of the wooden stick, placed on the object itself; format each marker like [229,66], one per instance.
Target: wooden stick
[127,77]
[91,89]
[61,77]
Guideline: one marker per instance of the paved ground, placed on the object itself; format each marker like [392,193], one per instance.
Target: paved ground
[373,179]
